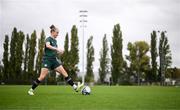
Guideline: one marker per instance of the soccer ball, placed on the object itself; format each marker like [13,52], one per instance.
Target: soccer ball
[86,90]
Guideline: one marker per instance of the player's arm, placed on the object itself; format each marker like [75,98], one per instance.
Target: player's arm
[54,48]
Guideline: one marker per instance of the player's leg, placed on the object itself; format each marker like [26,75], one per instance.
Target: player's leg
[44,72]
[62,71]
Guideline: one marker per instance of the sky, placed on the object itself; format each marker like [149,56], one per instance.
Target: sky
[137,18]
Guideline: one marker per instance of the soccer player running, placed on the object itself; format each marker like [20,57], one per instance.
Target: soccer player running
[50,62]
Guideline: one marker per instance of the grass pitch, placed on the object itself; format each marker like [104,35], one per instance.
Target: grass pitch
[102,98]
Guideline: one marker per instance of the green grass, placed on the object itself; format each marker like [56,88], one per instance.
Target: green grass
[102,98]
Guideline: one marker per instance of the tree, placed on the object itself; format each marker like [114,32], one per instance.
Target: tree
[153,73]
[16,54]
[90,58]
[41,43]
[165,58]
[32,52]
[74,53]
[66,55]
[1,72]
[19,54]
[139,61]
[5,59]
[12,60]
[175,73]
[116,54]
[26,56]
[104,60]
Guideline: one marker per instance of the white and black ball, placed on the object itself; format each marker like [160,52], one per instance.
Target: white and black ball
[86,90]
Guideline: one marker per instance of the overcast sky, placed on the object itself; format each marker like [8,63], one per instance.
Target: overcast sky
[137,18]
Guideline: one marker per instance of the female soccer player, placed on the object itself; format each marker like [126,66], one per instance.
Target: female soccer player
[50,62]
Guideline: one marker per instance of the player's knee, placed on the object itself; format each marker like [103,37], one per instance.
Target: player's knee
[41,78]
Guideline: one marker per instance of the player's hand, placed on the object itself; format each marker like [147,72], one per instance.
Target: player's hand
[59,51]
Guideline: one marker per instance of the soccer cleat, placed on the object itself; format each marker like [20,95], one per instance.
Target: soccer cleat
[79,86]
[31,92]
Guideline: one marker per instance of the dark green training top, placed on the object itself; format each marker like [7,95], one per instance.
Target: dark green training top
[49,53]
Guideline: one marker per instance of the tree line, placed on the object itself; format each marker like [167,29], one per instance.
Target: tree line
[23,54]
[22,57]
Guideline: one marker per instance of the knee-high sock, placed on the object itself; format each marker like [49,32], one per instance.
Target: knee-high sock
[69,81]
[35,83]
